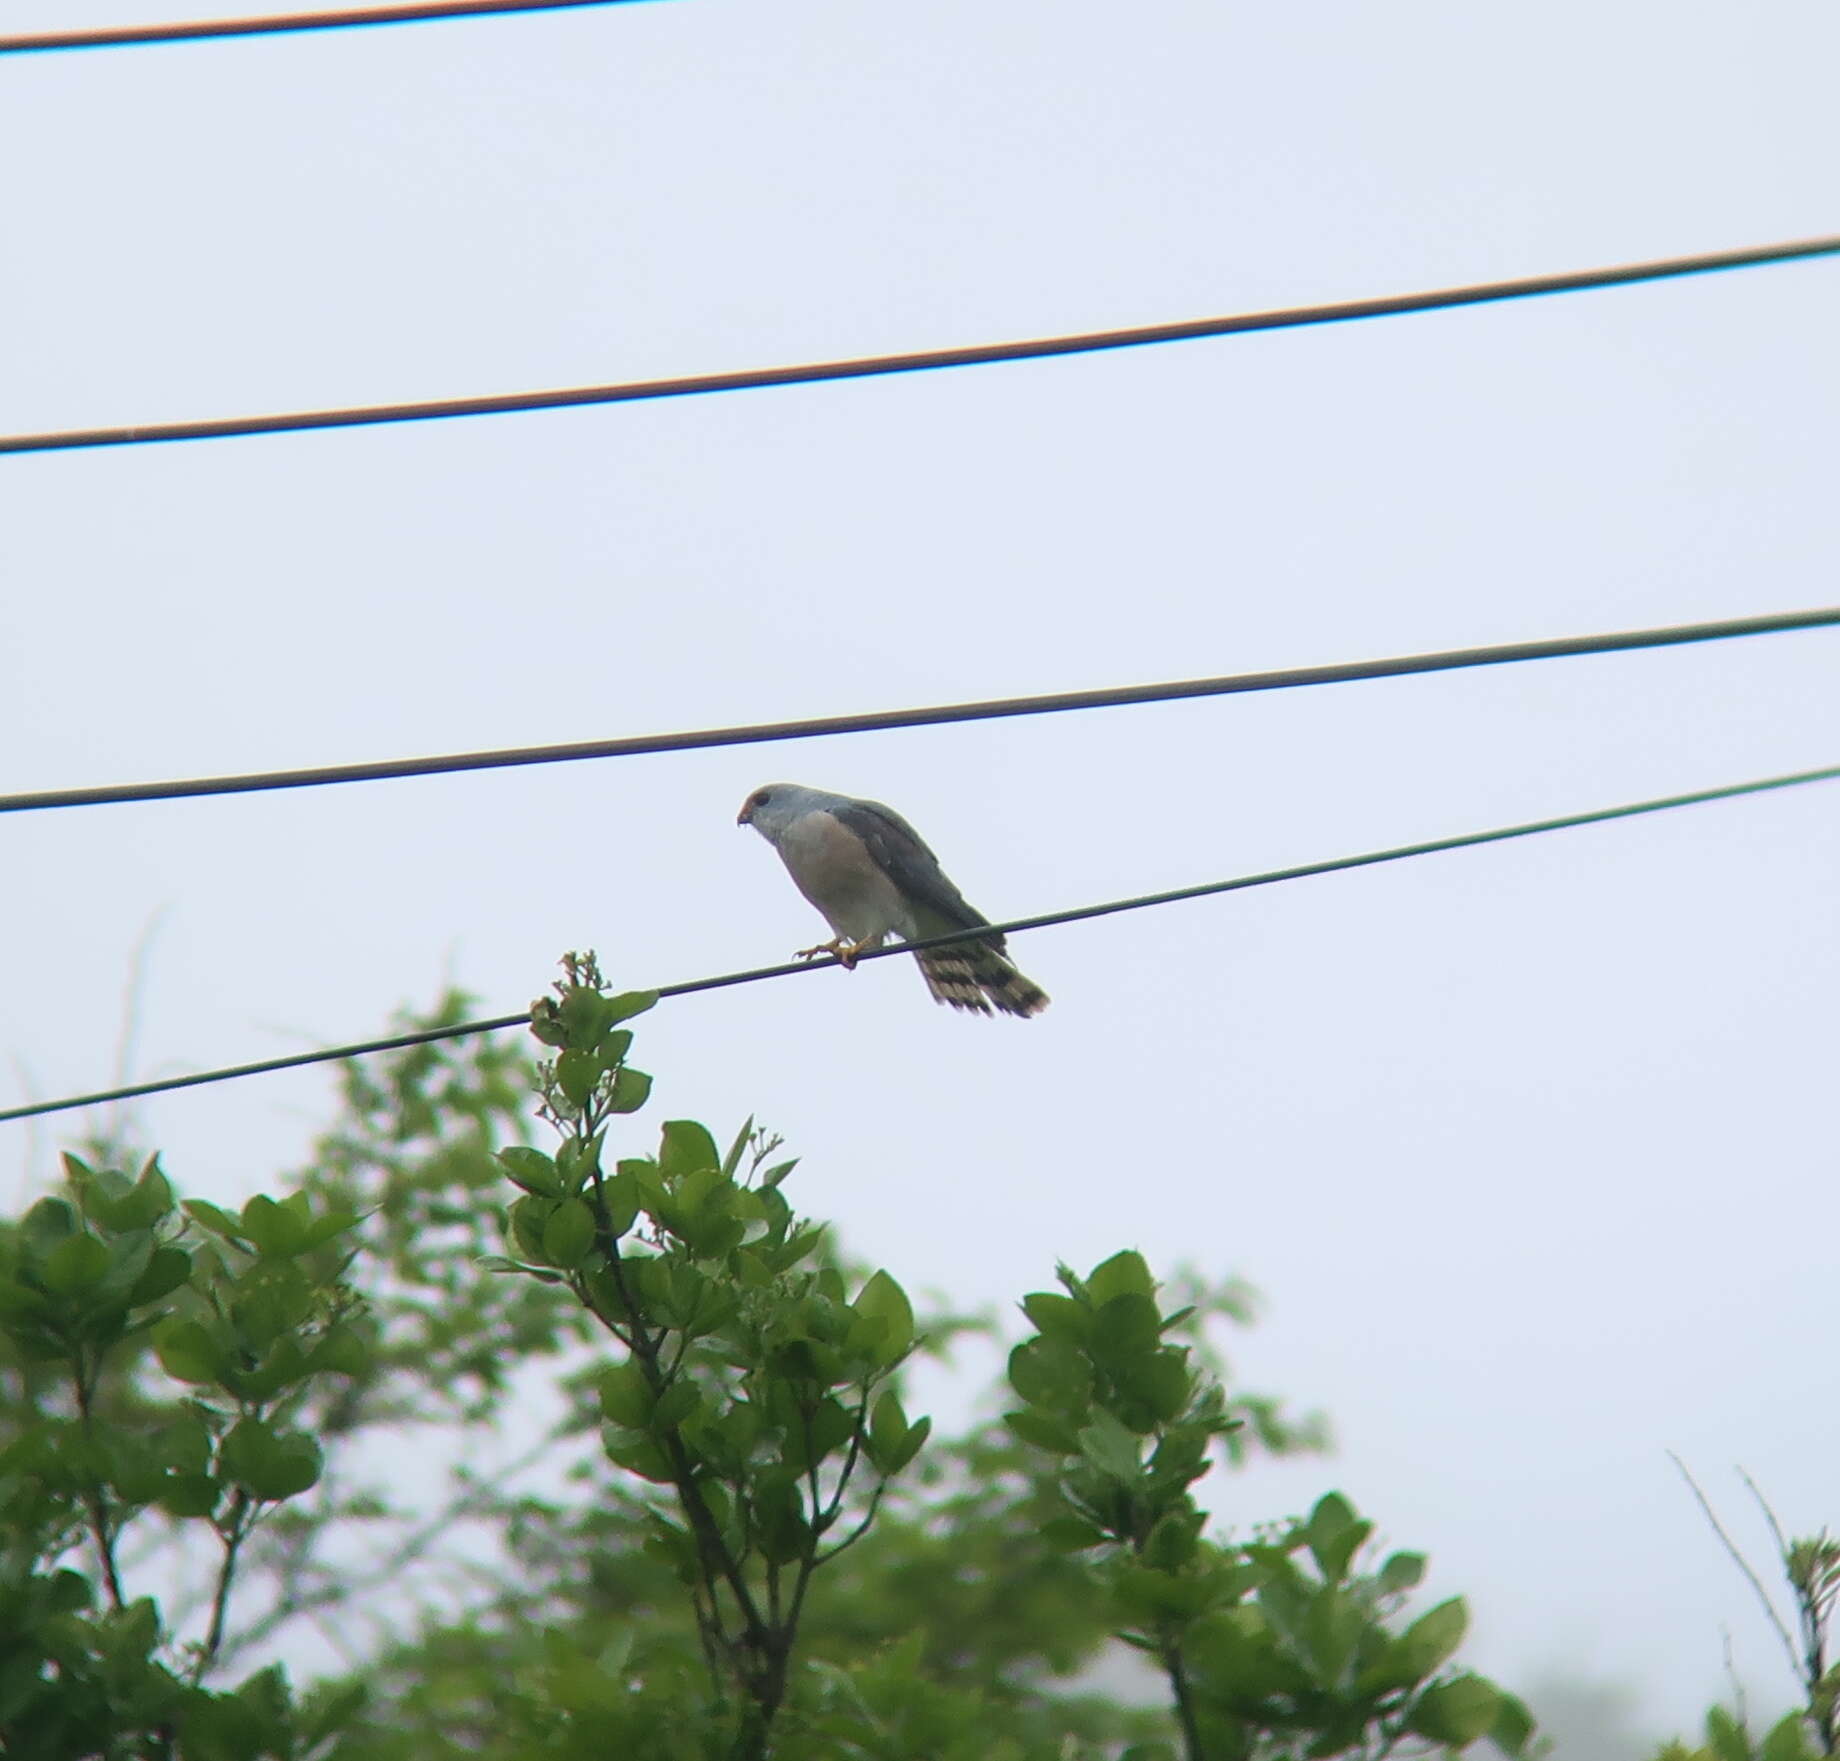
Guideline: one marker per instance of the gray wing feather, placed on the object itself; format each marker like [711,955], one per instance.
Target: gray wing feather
[903,856]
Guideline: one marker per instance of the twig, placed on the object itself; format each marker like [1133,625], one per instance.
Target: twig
[1743,1564]
[94,1497]
[234,1532]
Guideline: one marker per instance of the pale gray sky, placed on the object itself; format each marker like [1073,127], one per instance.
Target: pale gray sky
[1529,1148]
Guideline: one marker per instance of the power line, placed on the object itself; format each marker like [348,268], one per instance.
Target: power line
[1111,697]
[873,366]
[1046,920]
[203,29]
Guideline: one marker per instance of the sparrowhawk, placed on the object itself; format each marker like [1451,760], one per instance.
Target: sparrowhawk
[872,876]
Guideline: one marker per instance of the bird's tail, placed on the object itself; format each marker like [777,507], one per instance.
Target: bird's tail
[976,976]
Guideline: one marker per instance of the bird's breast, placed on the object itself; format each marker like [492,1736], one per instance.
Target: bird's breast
[836,871]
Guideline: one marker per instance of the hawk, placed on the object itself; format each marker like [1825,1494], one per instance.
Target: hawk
[871,875]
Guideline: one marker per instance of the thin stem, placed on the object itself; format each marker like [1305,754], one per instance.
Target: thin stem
[95,1497]
[1743,1564]
[1176,1668]
[233,1533]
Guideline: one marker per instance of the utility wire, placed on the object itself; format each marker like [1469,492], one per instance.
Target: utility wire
[752,379]
[1110,697]
[197,30]
[1368,859]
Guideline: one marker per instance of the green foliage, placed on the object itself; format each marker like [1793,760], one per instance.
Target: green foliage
[1274,1647]
[749,1379]
[104,1437]
[750,1545]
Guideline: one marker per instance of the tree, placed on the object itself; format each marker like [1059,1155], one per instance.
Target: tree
[755,1550]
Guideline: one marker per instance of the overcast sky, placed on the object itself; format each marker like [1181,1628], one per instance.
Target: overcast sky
[1530,1148]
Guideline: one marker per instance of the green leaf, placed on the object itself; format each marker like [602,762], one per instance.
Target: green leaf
[187,1352]
[731,1163]
[1400,1572]
[1787,1740]
[905,1451]
[496,1262]
[637,1452]
[46,1224]
[888,1420]
[1036,1427]
[631,1089]
[343,1351]
[626,1396]
[169,1268]
[1175,1540]
[1123,1274]
[1514,1726]
[202,1211]
[1161,1383]
[817,1433]
[779,1516]
[141,1206]
[882,1299]
[329,1225]
[613,1049]
[620,1194]
[1335,1534]
[1059,1315]
[267,1461]
[1426,1643]
[630,1003]
[1068,1534]
[185,1445]
[578,1074]
[1332,1627]
[1126,1325]
[1458,1711]
[278,1230]
[568,1233]
[76,1263]
[679,1400]
[1111,1449]
[1726,1736]
[189,1495]
[532,1170]
[686,1148]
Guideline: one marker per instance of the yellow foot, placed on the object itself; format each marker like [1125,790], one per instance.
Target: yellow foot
[838,947]
[847,952]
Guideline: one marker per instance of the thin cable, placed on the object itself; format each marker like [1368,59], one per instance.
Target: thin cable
[1110,697]
[1079,914]
[753,379]
[345,18]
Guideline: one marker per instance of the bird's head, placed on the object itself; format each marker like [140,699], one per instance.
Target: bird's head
[774,806]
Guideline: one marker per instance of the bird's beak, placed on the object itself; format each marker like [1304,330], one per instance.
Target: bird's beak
[746,815]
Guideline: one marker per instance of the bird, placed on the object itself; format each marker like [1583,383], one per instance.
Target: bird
[871,875]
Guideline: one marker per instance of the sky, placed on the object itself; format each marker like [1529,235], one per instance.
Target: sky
[1530,1149]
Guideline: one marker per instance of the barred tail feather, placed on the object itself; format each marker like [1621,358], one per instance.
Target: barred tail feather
[972,976]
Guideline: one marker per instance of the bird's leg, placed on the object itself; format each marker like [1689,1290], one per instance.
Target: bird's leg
[846,951]
[837,945]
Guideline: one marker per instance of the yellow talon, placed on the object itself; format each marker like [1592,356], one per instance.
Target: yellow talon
[847,952]
[837,947]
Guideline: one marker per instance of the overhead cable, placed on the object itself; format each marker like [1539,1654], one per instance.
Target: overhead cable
[1108,697]
[872,366]
[1046,920]
[260,25]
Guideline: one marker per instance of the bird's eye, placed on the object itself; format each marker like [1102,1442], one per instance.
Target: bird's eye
[762,797]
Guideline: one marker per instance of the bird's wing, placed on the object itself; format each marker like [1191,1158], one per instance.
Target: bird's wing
[901,853]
